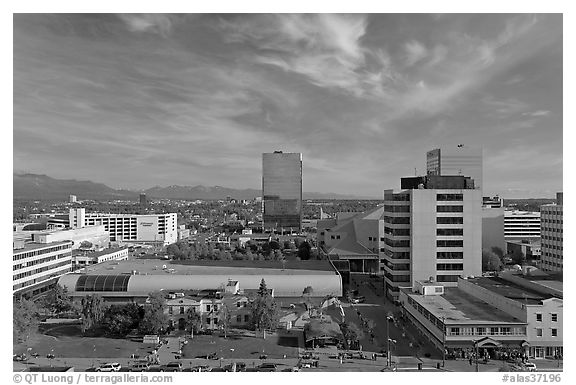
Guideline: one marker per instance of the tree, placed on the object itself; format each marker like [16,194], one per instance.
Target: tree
[24,319]
[119,320]
[264,310]
[86,245]
[518,257]
[92,311]
[58,301]
[224,319]
[490,261]
[498,251]
[307,292]
[304,251]
[154,318]
[193,321]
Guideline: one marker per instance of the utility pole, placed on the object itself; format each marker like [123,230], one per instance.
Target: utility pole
[388,358]
[476,354]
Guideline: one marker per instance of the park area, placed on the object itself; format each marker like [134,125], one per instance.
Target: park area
[242,344]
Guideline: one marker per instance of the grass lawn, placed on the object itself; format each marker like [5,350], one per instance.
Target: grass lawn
[243,346]
[66,341]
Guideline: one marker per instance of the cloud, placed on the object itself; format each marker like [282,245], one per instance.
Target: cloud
[324,48]
[415,52]
[156,23]
[537,113]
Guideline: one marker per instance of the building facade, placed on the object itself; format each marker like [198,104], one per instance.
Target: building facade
[431,233]
[96,235]
[82,259]
[36,266]
[521,224]
[552,235]
[459,160]
[154,228]
[282,190]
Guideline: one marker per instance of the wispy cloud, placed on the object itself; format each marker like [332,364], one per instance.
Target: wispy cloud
[537,113]
[415,52]
[156,23]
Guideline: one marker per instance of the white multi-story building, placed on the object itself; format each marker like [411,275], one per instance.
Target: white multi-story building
[552,235]
[96,235]
[432,230]
[153,228]
[459,160]
[521,224]
[35,266]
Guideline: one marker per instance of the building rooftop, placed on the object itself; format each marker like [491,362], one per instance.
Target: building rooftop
[95,254]
[156,267]
[34,246]
[510,290]
[458,307]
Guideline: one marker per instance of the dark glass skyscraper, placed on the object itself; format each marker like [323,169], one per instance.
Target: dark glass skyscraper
[282,190]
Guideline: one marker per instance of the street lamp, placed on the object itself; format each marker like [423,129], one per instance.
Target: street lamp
[388,358]
[476,353]
[443,341]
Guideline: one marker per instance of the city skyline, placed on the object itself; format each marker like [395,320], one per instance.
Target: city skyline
[134,101]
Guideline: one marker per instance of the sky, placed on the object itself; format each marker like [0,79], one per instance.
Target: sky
[139,100]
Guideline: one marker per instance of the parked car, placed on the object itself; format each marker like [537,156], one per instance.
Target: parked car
[218,370]
[50,356]
[267,367]
[110,367]
[310,356]
[140,367]
[173,367]
[529,366]
[20,357]
[201,368]
[358,299]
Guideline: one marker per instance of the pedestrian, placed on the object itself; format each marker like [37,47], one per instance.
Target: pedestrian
[470,361]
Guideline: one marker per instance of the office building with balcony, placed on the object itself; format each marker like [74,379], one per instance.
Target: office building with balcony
[432,231]
[282,191]
[552,235]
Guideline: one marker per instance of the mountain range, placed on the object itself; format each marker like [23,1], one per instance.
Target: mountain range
[42,187]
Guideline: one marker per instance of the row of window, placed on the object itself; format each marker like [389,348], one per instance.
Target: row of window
[553,317]
[446,278]
[397,242]
[449,209]
[487,331]
[559,239]
[397,278]
[41,270]
[397,220]
[396,232]
[33,253]
[553,247]
[450,255]
[396,209]
[449,266]
[449,243]
[449,232]
[449,197]
[551,229]
[450,220]
[39,261]
[553,332]
[546,220]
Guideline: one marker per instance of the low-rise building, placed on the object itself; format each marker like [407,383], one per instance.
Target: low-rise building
[83,258]
[531,249]
[96,236]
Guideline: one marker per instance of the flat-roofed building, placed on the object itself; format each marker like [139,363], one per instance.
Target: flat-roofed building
[36,266]
[133,280]
[531,249]
[82,258]
[521,224]
[96,235]
[282,190]
[153,228]
[552,235]
[432,229]
[495,315]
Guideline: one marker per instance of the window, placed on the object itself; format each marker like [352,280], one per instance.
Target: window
[246,317]
[181,309]
[493,331]
[447,278]
[449,209]
[238,304]
[554,317]
[554,332]
[480,331]
[170,310]
[450,255]
[449,266]
[449,220]
[538,332]
[449,197]
[238,318]
[207,307]
[539,317]
[449,232]
[449,243]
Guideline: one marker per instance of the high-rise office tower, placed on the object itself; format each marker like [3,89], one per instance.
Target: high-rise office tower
[282,190]
[432,230]
[72,199]
[143,201]
[552,219]
[459,160]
